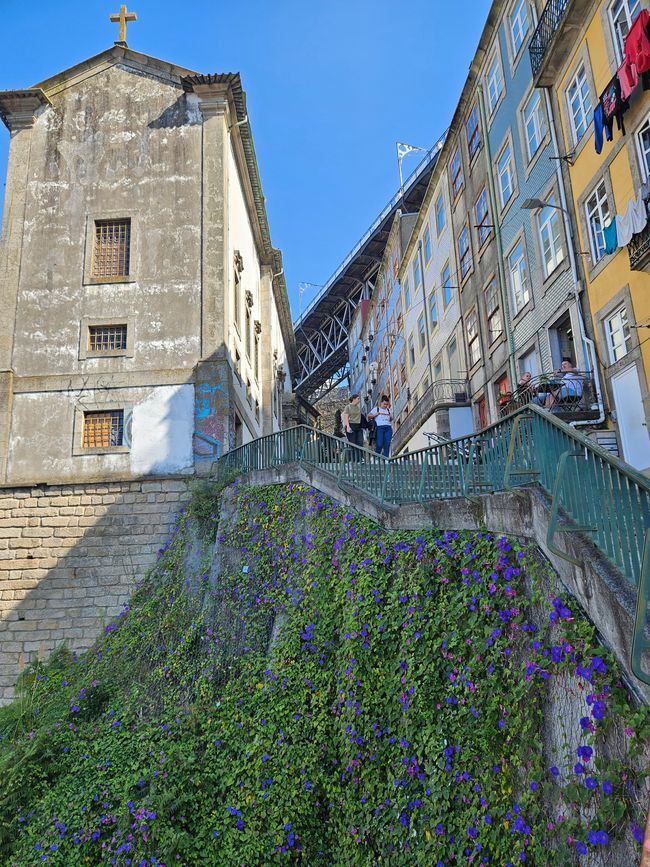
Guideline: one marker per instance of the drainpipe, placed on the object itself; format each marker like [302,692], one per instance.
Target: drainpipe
[426,312]
[497,236]
[568,229]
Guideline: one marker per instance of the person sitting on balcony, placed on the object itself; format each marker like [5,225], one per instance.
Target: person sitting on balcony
[524,389]
[570,389]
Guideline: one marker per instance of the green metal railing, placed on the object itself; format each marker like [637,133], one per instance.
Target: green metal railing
[598,494]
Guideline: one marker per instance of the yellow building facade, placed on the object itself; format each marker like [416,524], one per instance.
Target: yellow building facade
[576,58]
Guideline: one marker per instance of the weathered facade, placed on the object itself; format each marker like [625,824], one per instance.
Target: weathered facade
[146,325]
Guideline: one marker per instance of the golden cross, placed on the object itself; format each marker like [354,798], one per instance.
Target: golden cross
[123,17]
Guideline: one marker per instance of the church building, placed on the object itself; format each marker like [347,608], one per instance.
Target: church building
[145,324]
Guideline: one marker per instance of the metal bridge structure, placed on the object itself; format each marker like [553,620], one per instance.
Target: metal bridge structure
[322,329]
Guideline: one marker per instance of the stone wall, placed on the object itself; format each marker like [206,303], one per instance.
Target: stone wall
[69,558]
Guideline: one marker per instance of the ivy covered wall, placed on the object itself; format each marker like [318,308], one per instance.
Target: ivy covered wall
[318,690]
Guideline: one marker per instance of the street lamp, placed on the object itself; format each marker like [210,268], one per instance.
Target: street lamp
[536,204]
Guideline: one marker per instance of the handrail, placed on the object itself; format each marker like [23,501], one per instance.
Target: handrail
[598,490]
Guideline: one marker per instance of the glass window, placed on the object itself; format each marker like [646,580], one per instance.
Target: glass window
[447,288]
[433,308]
[473,341]
[473,134]
[518,272]
[579,100]
[407,292]
[456,174]
[534,123]
[106,338]
[643,145]
[597,209]
[482,218]
[411,347]
[494,83]
[437,371]
[550,237]
[493,311]
[111,249]
[505,174]
[426,243]
[440,205]
[464,252]
[621,15]
[618,334]
[417,272]
[422,337]
[518,25]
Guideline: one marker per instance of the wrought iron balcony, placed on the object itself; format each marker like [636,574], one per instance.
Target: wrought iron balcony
[442,393]
[639,250]
[569,400]
[554,38]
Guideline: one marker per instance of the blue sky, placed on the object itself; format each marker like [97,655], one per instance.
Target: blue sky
[331,86]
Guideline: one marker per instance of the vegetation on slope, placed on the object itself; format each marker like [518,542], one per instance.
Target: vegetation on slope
[338,694]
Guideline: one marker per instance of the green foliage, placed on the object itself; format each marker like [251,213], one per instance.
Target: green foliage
[340,694]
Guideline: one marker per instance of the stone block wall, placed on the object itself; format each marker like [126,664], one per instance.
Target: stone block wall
[69,558]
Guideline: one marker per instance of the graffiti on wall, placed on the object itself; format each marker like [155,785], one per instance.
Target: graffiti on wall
[210,420]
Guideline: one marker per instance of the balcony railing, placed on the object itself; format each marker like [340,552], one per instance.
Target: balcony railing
[570,400]
[639,250]
[549,22]
[443,392]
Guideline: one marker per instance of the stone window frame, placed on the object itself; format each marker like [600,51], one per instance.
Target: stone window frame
[85,353]
[572,144]
[88,278]
[78,449]
[507,141]
[592,266]
[607,24]
[529,162]
[515,57]
[622,298]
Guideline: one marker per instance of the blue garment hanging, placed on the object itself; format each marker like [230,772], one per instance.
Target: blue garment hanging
[611,237]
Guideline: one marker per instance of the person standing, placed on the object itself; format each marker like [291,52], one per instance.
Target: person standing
[384,420]
[351,417]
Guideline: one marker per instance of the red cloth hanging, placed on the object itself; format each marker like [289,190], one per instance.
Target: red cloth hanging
[637,44]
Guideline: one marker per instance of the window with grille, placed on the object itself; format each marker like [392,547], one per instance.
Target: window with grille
[106,338]
[111,249]
[104,429]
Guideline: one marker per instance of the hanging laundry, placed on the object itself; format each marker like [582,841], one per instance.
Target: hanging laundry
[628,78]
[637,44]
[632,222]
[611,237]
[599,127]
[614,106]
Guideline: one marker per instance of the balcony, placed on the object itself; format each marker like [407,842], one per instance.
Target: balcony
[570,401]
[441,394]
[639,250]
[555,38]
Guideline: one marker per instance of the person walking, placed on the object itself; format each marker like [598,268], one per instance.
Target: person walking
[383,418]
[351,417]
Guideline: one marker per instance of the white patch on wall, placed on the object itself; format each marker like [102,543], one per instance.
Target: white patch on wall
[162,429]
